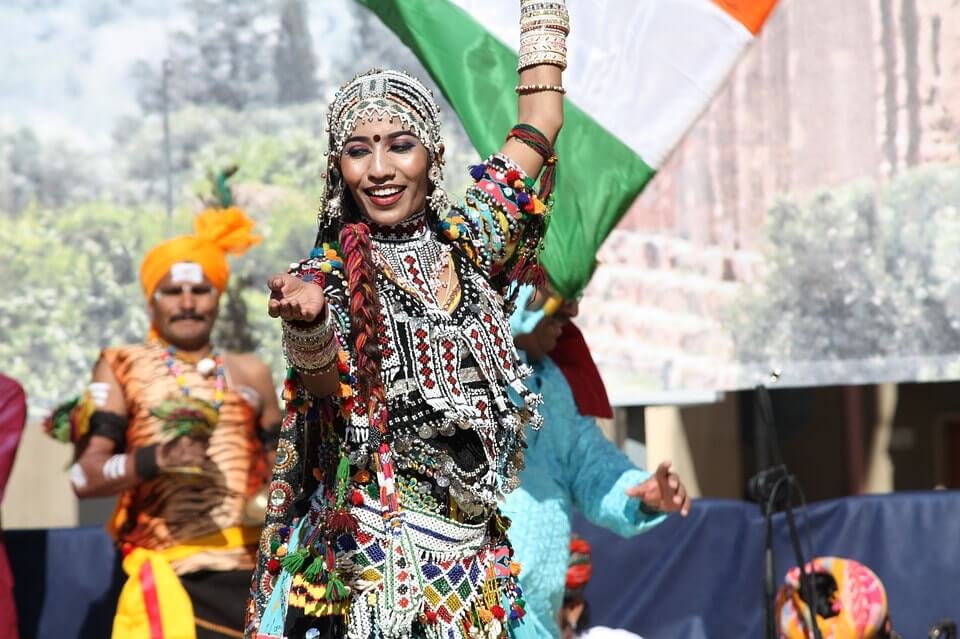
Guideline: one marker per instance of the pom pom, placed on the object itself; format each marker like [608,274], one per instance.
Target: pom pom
[284,533]
[431,616]
[498,612]
[512,176]
[523,200]
[356,498]
[477,171]
[273,566]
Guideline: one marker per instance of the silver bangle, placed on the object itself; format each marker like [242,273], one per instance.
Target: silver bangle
[523,89]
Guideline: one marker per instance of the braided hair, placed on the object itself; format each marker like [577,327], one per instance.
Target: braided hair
[364,319]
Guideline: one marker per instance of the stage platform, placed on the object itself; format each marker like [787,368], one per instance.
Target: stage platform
[687,579]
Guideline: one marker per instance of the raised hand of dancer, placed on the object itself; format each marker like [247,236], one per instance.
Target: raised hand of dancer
[294,300]
[663,491]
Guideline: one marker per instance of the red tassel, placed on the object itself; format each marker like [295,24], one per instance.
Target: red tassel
[340,521]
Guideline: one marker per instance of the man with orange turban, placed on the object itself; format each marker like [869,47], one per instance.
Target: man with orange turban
[182,433]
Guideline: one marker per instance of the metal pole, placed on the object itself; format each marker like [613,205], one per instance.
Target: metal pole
[167,153]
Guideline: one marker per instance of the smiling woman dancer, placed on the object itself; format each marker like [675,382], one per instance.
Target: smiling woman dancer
[406,405]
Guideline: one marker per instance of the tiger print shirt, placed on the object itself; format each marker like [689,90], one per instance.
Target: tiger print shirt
[173,509]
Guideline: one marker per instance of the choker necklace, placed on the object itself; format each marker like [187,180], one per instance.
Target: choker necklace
[414,227]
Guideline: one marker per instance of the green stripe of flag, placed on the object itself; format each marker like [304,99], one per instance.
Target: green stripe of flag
[598,176]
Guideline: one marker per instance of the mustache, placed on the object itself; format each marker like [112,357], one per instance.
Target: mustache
[188,316]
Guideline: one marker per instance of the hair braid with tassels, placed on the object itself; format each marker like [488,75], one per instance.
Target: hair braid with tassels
[364,315]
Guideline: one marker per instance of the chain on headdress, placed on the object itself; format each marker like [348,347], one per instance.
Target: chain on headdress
[381,95]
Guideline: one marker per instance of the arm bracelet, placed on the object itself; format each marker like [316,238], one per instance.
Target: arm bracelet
[544,26]
[313,349]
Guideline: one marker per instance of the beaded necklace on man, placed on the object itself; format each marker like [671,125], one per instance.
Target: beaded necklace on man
[188,414]
[213,364]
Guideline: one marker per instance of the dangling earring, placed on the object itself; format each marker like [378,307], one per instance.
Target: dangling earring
[438,201]
[333,201]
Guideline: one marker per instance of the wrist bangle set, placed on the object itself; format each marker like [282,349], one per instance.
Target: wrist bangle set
[312,350]
[544,26]
[145,462]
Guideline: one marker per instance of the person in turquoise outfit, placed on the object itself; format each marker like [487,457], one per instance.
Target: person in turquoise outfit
[569,462]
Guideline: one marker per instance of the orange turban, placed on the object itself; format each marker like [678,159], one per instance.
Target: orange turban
[216,233]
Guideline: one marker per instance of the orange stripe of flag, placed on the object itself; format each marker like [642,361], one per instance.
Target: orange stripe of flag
[750,13]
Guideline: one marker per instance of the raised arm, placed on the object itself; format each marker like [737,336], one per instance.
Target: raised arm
[543,56]
[503,214]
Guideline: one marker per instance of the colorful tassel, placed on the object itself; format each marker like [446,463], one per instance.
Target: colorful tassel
[338,521]
[336,589]
[294,561]
[315,570]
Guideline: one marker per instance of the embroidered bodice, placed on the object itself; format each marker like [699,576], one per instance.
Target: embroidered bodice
[457,408]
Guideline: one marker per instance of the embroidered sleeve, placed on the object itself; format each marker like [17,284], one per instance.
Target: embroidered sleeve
[503,217]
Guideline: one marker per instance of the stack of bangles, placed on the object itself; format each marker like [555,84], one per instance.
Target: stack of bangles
[544,26]
[311,349]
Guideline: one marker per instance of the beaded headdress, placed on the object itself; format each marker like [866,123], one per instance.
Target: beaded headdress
[382,95]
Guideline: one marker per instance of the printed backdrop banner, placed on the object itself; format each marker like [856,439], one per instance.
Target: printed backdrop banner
[807,222]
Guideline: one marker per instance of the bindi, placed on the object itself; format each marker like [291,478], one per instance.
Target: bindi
[376,138]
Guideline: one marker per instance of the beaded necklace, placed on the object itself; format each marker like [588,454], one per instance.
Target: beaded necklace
[219,383]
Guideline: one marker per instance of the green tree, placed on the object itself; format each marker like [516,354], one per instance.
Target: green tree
[220,58]
[294,64]
[857,272]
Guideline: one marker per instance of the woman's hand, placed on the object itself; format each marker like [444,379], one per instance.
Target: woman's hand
[294,300]
[663,491]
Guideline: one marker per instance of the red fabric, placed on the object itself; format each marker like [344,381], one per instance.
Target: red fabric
[151,600]
[13,416]
[573,358]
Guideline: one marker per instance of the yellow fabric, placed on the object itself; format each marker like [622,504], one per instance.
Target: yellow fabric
[216,233]
[175,608]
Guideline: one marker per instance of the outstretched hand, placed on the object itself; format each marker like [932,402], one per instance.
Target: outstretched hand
[663,491]
[294,300]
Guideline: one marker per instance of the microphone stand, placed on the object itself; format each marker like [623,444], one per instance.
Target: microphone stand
[773,488]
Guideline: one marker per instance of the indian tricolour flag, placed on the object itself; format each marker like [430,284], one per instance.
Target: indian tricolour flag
[639,74]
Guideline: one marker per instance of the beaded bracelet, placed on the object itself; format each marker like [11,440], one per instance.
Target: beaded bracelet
[523,89]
